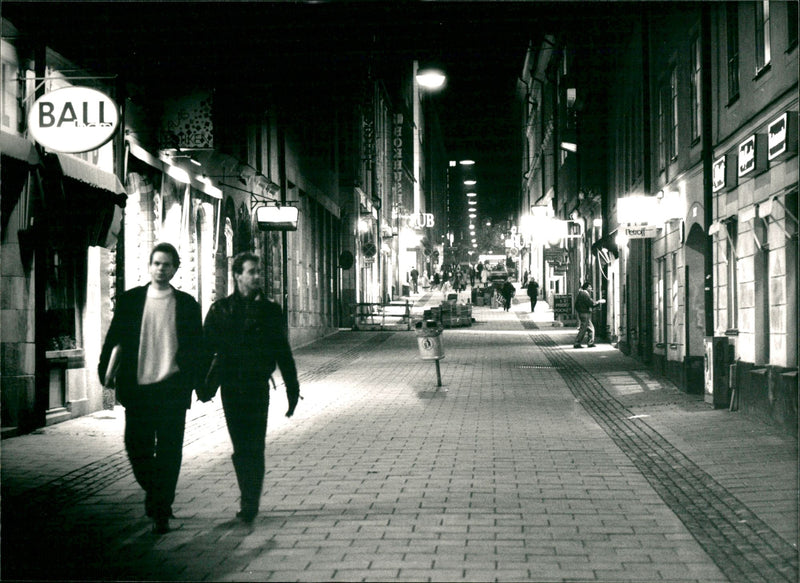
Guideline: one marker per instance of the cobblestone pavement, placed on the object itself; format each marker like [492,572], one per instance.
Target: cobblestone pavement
[532,462]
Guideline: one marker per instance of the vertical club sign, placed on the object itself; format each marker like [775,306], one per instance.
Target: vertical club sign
[397,157]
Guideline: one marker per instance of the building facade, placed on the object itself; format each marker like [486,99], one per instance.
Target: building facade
[697,248]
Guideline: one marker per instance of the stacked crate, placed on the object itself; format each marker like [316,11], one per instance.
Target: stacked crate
[454,315]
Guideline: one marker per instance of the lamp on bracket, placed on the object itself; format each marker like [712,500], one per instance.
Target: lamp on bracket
[430,76]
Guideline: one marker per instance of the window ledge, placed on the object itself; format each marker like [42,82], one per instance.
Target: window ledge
[72,358]
[732,100]
[762,71]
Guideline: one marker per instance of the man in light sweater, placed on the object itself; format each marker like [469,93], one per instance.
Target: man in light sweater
[159,332]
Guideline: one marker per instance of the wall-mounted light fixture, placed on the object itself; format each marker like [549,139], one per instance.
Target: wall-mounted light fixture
[431,77]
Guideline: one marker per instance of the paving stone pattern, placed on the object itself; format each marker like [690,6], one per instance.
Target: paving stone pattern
[521,467]
[716,518]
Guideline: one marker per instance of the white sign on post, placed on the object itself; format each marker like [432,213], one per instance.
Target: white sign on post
[73,119]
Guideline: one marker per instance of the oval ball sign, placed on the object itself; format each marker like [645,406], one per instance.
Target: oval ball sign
[73,119]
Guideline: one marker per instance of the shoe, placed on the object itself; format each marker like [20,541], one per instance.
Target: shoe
[577,346]
[151,513]
[592,345]
[247,516]
[161,525]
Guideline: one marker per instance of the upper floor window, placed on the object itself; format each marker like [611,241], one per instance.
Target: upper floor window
[695,83]
[763,54]
[661,129]
[732,36]
[791,18]
[673,112]
[10,112]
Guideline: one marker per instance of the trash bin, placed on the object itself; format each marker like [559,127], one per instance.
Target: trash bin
[429,339]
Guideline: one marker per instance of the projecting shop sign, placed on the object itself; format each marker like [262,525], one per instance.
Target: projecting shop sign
[642,232]
[73,119]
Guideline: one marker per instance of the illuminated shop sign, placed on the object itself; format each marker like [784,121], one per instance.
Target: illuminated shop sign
[641,231]
[752,156]
[747,156]
[419,220]
[718,174]
[782,137]
[73,119]
[397,156]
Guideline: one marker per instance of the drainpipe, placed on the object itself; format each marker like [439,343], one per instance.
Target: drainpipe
[708,197]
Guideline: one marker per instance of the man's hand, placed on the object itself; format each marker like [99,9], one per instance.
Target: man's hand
[293,395]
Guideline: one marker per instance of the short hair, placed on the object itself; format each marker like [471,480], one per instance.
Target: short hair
[586,284]
[240,259]
[169,250]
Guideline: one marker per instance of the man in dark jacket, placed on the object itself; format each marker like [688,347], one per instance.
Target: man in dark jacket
[159,332]
[584,304]
[507,291]
[533,293]
[246,331]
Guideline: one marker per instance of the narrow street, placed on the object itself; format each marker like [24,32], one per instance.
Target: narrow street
[533,462]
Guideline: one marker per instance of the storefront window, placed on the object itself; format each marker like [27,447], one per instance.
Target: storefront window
[64,299]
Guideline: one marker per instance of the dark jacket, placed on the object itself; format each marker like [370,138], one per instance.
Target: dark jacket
[533,289]
[508,290]
[249,337]
[125,330]
[584,302]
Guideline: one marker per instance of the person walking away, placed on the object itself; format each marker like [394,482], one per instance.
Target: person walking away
[584,304]
[507,291]
[246,332]
[159,334]
[414,278]
[533,293]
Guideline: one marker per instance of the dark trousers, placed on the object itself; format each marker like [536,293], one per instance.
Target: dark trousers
[246,416]
[586,327]
[154,441]
[533,303]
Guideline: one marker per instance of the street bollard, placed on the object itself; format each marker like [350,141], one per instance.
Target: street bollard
[429,340]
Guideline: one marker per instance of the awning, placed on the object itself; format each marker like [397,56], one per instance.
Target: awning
[19,148]
[77,169]
[81,203]
[173,171]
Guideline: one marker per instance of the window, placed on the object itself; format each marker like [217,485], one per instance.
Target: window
[695,85]
[763,55]
[731,230]
[732,24]
[673,110]
[10,113]
[674,299]
[791,21]
[661,129]
[661,302]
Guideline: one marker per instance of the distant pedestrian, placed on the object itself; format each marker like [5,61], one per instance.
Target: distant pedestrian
[246,332]
[159,332]
[507,291]
[584,304]
[533,293]
[414,278]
